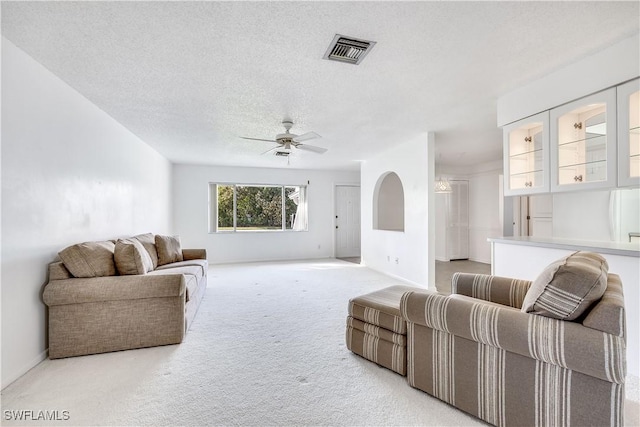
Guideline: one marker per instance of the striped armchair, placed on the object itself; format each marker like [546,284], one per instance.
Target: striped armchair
[475,349]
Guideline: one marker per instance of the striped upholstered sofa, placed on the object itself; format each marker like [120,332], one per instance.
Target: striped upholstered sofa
[478,350]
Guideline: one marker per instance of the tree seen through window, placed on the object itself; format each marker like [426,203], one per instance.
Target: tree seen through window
[261,207]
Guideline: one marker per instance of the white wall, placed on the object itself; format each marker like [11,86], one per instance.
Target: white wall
[606,68]
[70,173]
[484,210]
[442,223]
[582,215]
[590,215]
[412,163]
[191,213]
[484,214]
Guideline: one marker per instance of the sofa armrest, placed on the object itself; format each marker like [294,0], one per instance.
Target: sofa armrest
[112,288]
[608,315]
[567,344]
[189,254]
[503,290]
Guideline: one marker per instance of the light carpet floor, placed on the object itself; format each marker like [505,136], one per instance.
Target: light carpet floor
[266,348]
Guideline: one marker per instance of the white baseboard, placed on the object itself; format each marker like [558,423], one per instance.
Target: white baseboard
[402,279]
[25,368]
[484,261]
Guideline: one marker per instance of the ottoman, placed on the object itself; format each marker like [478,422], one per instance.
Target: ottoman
[376,329]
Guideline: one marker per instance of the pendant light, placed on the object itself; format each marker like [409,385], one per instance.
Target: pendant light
[443,186]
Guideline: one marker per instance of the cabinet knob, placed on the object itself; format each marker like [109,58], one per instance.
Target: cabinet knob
[577,178]
[577,125]
[527,139]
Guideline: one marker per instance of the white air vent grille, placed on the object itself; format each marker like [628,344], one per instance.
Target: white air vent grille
[348,49]
[282,153]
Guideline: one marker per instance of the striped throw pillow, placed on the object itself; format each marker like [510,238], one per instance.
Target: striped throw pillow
[568,287]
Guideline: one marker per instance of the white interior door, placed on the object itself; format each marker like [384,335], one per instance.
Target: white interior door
[347,221]
[458,221]
[541,215]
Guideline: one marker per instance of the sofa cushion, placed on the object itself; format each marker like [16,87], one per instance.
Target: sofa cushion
[193,270]
[148,240]
[568,287]
[202,263]
[131,257]
[168,248]
[381,308]
[89,259]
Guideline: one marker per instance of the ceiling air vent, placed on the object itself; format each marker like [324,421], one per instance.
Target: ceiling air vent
[282,153]
[348,49]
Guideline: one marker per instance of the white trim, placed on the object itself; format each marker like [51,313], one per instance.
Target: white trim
[393,276]
[25,368]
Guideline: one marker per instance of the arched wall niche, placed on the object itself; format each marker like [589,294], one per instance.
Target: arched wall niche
[388,203]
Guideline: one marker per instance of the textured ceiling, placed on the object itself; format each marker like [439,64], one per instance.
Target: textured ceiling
[190,78]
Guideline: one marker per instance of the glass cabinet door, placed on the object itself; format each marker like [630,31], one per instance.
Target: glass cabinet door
[629,133]
[583,138]
[526,144]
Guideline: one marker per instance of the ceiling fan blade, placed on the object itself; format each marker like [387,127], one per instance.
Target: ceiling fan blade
[306,136]
[312,148]
[258,139]
[271,149]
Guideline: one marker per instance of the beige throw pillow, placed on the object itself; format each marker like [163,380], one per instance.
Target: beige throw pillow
[131,257]
[149,242]
[89,259]
[169,249]
[568,287]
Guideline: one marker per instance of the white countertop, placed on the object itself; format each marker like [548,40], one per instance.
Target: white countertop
[613,248]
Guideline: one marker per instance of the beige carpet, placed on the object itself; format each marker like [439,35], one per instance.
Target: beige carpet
[266,348]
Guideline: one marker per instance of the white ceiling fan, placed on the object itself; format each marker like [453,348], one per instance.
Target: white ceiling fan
[287,140]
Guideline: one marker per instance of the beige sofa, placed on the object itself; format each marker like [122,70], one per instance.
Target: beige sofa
[112,311]
[481,351]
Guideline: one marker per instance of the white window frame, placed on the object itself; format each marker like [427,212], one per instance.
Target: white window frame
[213,207]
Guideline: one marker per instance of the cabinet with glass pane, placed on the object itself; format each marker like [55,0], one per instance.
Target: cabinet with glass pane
[583,143]
[526,148]
[629,133]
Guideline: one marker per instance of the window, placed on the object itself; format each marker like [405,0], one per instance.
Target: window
[243,207]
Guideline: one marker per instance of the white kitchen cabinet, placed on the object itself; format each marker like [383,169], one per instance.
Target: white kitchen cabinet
[526,156]
[629,133]
[583,143]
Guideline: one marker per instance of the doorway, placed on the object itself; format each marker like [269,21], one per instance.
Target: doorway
[452,241]
[347,216]
[533,215]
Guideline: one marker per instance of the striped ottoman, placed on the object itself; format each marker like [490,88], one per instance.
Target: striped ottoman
[376,329]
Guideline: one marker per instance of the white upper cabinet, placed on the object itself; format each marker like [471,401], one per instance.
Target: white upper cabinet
[526,158]
[583,143]
[629,133]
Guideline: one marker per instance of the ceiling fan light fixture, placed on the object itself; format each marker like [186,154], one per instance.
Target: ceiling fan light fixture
[286,141]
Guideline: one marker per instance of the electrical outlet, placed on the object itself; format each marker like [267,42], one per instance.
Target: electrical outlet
[397,260]
[388,258]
